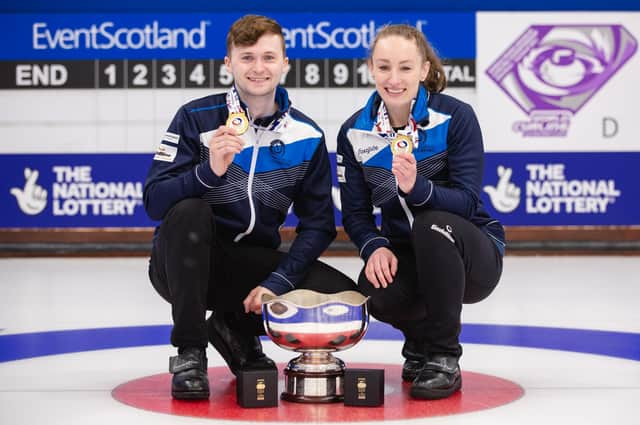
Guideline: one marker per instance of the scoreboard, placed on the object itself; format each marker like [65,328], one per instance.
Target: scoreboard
[194,73]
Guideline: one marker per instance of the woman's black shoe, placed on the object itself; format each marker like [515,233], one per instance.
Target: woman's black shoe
[190,380]
[439,378]
[413,352]
[411,369]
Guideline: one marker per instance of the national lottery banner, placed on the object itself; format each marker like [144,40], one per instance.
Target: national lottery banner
[84,190]
[105,190]
[586,188]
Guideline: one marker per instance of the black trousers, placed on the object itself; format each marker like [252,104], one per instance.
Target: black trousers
[448,262]
[196,271]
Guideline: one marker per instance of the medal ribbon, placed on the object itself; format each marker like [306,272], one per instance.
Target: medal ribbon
[384,128]
[233,101]
[233,105]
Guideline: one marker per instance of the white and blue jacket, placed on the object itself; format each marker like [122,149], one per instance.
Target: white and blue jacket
[449,159]
[276,168]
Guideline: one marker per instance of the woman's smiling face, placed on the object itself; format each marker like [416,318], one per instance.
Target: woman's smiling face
[398,68]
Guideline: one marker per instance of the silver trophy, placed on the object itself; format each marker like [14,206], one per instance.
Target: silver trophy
[315,325]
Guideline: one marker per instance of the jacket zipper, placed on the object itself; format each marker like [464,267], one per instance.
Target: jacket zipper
[405,207]
[252,171]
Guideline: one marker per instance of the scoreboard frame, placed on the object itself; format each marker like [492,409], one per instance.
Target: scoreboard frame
[195,73]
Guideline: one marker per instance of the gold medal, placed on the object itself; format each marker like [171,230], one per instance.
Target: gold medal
[238,121]
[401,144]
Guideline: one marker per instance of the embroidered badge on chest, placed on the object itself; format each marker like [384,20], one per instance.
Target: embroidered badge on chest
[276,148]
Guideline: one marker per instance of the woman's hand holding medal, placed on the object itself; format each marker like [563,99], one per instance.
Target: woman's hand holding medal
[223,147]
[404,167]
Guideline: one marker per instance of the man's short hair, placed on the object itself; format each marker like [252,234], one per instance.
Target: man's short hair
[247,30]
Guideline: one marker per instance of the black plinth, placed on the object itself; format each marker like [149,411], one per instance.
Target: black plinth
[257,388]
[364,387]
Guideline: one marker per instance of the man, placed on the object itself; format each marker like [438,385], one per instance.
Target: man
[222,181]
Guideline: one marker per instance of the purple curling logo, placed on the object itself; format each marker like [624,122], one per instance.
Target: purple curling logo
[551,71]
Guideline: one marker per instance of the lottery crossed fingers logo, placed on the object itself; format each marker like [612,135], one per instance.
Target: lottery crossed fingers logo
[32,198]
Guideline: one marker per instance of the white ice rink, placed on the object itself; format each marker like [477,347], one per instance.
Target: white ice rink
[572,296]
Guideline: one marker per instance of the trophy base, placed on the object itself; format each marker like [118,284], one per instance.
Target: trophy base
[314,378]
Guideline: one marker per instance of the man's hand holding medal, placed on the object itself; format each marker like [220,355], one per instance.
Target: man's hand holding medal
[226,143]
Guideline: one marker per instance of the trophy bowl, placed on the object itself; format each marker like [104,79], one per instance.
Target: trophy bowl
[315,325]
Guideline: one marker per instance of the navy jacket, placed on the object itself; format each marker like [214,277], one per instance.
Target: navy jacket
[449,159]
[250,202]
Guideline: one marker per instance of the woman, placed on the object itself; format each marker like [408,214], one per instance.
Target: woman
[417,154]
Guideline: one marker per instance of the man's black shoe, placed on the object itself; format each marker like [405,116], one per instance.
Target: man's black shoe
[190,380]
[241,352]
[413,352]
[439,378]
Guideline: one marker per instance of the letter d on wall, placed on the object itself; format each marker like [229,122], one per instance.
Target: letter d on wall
[609,127]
